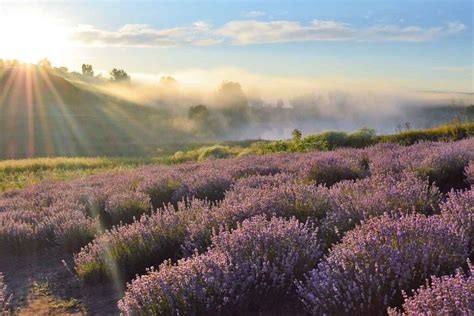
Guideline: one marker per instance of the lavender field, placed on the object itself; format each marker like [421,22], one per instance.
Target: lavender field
[385,229]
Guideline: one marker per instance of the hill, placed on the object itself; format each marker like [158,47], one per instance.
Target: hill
[45,114]
[51,112]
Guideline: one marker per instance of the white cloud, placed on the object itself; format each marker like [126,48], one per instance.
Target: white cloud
[257,32]
[247,32]
[255,14]
[141,35]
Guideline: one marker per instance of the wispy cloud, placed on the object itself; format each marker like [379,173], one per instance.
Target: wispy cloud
[255,14]
[246,32]
[141,35]
[257,32]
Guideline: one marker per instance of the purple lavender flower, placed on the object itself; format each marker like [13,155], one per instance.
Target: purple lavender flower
[355,201]
[458,209]
[130,249]
[470,172]
[446,295]
[246,269]
[4,298]
[376,261]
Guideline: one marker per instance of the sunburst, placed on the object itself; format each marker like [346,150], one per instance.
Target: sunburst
[29,36]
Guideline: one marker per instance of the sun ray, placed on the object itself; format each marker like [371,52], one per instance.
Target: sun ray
[30,114]
[82,141]
[47,141]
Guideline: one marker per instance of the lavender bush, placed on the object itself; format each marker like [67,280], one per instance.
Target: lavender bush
[470,172]
[331,167]
[126,250]
[4,298]
[447,295]
[459,210]
[368,270]
[195,223]
[244,270]
[443,163]
[356,201]
[446,165]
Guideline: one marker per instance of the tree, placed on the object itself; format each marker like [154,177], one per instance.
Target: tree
[87,70]
[296,135]
[198,113]
[45,63]
[470,112]
[119,75]
[232,103]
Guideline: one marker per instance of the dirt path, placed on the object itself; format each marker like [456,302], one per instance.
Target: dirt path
[42,285]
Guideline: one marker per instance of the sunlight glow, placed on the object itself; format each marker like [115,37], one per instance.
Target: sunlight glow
[30,36]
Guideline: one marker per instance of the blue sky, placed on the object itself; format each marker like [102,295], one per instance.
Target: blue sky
[417,45]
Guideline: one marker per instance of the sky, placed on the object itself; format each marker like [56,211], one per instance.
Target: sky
[415,45]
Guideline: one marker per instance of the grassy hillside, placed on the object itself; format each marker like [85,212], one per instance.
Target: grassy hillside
[46,112]
[43,114]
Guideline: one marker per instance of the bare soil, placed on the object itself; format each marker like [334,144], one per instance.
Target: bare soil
[42,284]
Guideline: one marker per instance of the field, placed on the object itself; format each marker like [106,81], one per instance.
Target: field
[17,174]
[382,229]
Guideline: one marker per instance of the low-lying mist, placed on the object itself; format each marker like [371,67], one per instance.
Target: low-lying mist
[48,111]
[252,106]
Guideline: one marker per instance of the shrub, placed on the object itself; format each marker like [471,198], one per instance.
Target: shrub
[160,188]
[287,200]
[367,271]
[259,181]
[55,226]
[214,152]
[446,165]
[356,201]
[331,168]
[459,210]
[127,250]
[362,138]
[203,183]
[447,295]
[255,165]
[244,270]
[470,172]
[4,298]
[442,163]
[125,206]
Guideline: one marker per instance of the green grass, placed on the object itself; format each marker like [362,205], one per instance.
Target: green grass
[327,140]
[440,133]
[17,174]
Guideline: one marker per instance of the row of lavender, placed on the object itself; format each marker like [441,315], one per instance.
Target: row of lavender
[263,261]
[414,248]
[222,271]
[70,214]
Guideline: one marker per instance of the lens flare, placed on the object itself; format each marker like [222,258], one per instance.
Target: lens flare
[30,36]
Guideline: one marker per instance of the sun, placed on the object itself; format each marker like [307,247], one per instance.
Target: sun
[29,37]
